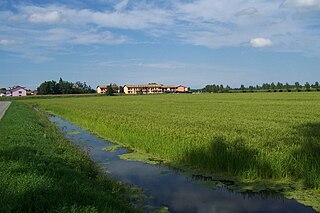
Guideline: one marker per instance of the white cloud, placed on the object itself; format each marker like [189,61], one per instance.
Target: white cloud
[7,42]
[99,38]
[163,65]
[46,17]
[121,5]
[247,12]
[303,3]
[72,36]
[166,65]
[138,18]
[260,42]
[213,24]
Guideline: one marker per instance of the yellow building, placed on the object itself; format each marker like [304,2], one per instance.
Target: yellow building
[152,89]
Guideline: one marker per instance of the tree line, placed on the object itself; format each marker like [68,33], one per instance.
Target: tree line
[63,87]
[264,87]
[216,88]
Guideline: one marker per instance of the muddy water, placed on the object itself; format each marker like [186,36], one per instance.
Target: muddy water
[178,192]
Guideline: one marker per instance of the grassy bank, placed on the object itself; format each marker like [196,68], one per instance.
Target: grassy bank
[9,98]
[40,171]
[273,137]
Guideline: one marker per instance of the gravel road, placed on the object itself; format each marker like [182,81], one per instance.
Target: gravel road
[3,107]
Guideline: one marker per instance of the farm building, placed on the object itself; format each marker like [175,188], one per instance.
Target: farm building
[153,89]
[16,91]
[181,88]
[102,89]
[3,92]
[30,92]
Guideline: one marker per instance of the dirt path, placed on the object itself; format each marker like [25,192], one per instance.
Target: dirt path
[4,105]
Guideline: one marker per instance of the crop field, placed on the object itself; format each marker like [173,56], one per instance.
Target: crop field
[259,136]
[40,171]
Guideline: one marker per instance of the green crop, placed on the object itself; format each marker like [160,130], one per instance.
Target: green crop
[262,136]
[40,171]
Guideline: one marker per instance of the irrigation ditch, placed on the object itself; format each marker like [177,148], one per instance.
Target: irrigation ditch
[172,190]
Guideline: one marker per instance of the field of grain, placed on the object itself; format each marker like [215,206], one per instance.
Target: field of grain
[273,136]
[40,171]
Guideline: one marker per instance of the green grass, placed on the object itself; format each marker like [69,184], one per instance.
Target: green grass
[9,98]
[252,137]
[40,171]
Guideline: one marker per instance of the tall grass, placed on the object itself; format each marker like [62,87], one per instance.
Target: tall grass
[250,136]
[40,171]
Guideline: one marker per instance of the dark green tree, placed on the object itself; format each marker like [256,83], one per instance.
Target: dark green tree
[316,85]
[121,89]
[48,87]
[265,86]
[63,87]
[307,86]
[221,88]
[287,86]
[109,90]
[279,85]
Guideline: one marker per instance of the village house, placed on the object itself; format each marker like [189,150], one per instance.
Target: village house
[153,88]
[3,92]
[30,92]
[182,89]
[16,91]
[102,89]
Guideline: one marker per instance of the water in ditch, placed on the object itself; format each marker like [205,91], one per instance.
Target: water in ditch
[170,188]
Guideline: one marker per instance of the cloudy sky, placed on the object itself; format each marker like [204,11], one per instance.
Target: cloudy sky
[191,42]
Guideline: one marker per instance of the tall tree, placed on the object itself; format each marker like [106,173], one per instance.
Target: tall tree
[273,86]
[279,85]
[316,85]
[307,86]
[63,87]
[110,90]
[287,86]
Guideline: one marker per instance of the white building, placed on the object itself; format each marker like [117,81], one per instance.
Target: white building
[16,91]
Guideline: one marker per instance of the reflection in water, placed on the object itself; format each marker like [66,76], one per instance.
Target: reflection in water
[169,188]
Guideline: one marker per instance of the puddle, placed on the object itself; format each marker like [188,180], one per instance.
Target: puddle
[172,189]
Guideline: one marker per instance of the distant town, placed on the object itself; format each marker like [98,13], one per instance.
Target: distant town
[64,87]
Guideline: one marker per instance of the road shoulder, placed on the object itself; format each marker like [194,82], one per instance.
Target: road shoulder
[4,105]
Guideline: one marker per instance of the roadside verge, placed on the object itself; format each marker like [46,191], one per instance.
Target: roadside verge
[4,105]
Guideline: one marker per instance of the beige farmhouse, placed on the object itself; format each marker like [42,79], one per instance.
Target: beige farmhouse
[102,89]
[153,89]
[181,89]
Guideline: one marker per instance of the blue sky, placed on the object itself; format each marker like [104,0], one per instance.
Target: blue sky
[190,42]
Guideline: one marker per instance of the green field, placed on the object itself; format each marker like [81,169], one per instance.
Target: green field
[40,171]
[248,137]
